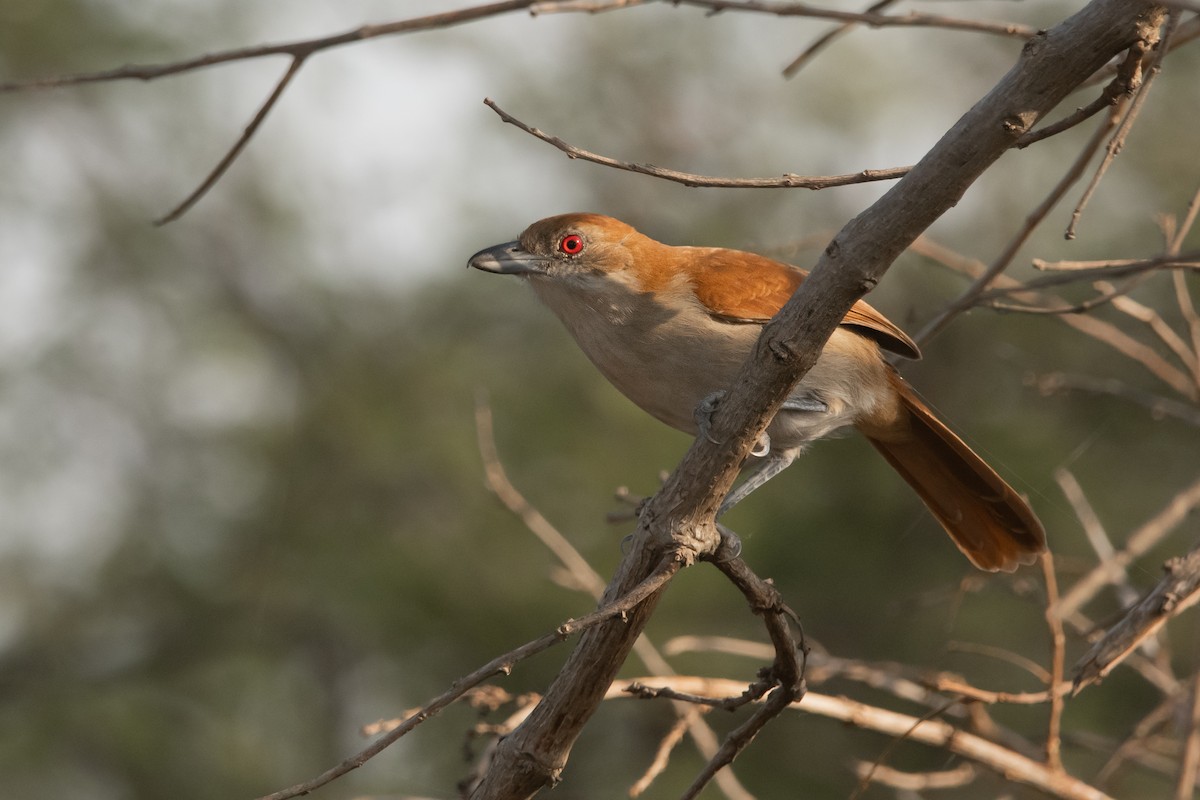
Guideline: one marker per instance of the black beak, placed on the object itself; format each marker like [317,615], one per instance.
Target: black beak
[507,259]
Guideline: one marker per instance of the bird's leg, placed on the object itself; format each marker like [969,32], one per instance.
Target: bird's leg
[757,474]
[805,402]
[773,462]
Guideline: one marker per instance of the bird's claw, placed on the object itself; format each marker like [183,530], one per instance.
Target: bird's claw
[762,446]
[730,547]
[704,411]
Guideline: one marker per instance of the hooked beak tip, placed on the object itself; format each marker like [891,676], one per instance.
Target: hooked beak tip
[505,259]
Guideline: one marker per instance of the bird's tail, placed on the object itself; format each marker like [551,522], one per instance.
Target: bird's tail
[986,518]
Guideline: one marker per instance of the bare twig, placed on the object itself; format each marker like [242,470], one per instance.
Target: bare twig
[936,733]
[1189,765]
[299,49]
[1116,268]
[1177,591]
[912,20]
[1158,406]
[1117,142]
[787,671]
[1057,650]
[866,778]
[1123,84]
[917,782]
[662,757]
[238,146]
[584,6]
[970,296]
[787,181]
[501,665]
[827,38]
[1149,534]
[1094,530]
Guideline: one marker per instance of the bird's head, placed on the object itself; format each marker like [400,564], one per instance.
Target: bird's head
[567,247]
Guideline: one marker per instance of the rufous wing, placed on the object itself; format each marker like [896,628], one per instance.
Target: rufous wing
[740,287]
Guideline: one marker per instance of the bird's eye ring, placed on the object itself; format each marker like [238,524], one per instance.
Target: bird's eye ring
[571,244]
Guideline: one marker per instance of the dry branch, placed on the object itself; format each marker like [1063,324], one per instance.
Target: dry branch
[1177,591]
[872,20]
[786,181]
[937,733]
[624,604]
[1140,541]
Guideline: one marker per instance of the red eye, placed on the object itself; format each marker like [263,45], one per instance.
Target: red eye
[571,244]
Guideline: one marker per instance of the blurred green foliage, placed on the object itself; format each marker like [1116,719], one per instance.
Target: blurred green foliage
[245,507]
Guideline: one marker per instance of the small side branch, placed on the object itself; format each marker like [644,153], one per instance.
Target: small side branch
[1177,591]
[787,181]
[502,665]
[787,671]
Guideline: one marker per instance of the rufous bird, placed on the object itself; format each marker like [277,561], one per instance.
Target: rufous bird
[671,326]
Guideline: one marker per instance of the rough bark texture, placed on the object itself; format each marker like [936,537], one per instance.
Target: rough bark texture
[679,517]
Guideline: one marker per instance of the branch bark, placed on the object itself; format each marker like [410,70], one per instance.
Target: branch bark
[680,517]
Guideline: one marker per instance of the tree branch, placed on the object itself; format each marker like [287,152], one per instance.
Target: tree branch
[934,732]
[787,181]
[620,606]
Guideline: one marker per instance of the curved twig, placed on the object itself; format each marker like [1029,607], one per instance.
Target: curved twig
[787,181]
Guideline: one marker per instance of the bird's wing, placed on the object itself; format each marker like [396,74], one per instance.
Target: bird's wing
[739,287]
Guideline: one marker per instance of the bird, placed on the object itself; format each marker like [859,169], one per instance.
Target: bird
[670,326]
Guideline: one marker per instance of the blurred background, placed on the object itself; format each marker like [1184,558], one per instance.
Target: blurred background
[242,508]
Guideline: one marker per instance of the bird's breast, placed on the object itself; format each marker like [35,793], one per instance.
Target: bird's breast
[664,353]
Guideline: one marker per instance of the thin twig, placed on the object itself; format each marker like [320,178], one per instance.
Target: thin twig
[1123,84]
[1177,591]
[1094,530]
[970,296]
[936,733]
[236,149]
[1158,406]
[911,20]
[787,671]
[1146,536]
[1164,713]
[1187,308]
[1154,321]
[662,756]
[1117,268]
[1100,330]
[301,48]
[501,665]
[299,51]
[916,782]
[1057,650]
[865,779]
[1189,765]
[827,38]
[787,181]
[1122,133]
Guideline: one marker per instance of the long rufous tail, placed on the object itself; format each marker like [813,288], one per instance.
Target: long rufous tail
[986,518]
